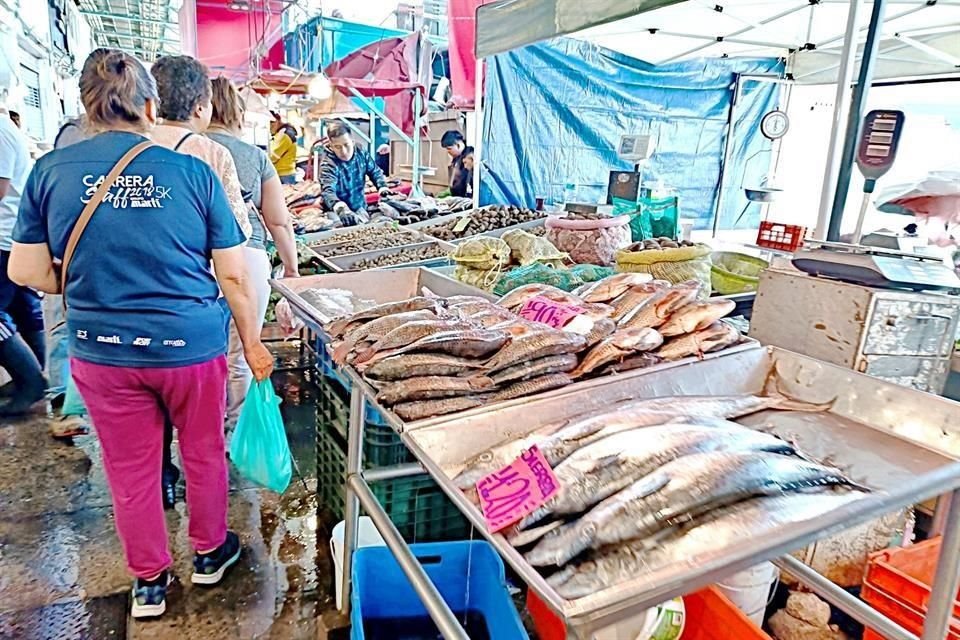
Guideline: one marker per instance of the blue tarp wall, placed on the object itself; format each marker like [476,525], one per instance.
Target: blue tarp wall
[338,39]
[555,111]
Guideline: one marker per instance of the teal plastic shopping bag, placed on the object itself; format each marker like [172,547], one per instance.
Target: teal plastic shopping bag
[259,448]
[72,401]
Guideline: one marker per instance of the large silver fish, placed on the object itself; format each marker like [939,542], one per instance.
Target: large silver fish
[473,343]
[533,368]
[431,388]
[608,465]
[558,442]
[536,344]
[337,327]
[410,332]
[696,316]
[654,311]
[719,335]
[412,365]
[611,287]
[719,529]
[376,329]
[617,347]
[678,492]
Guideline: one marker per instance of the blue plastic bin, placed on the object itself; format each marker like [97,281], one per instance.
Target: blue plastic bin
[381,590]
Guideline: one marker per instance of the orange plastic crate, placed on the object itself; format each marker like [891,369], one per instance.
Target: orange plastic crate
[709,616]
[903,614]
[783,237]
[907,573]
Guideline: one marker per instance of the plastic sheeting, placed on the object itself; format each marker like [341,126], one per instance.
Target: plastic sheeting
[463,62]
[322,41]
[554,113]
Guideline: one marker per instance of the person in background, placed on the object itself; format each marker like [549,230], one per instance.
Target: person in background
[283,152]
[268,208]
[383,158]
[454,144]
[147,333]
[15,118]
[343,173]
[21,317]
[183,85]
[461,180]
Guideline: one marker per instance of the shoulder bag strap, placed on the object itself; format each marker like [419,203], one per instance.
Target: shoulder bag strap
[91,207]
[182,140]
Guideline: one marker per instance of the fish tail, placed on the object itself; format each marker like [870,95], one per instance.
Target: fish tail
[341,351]
[526,537]
[772,389]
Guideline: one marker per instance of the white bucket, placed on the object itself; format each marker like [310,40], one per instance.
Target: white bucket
[367,536]
[750,589]
[663,622]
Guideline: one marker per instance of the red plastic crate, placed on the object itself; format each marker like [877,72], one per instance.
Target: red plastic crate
[784,237]
[709,616]
[907,573]
[903,614]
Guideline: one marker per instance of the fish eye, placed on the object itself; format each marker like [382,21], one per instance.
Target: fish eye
[486,456]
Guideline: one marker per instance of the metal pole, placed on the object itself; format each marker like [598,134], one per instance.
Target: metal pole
[396,471]
[351,517]
[947,579]
[439,611]
[844,78]
[856,608]
[854,117]
[478,143]
[727,154]
[416,178]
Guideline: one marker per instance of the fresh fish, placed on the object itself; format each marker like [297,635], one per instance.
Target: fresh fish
[421,409]
[473,343]
[602,328]
[516,298]
[634,361]
[471,307]
[491,316]
[430,388]
[618,346]
[337,327]
[611,287]
[410,332]
[376,329]
[714,532]
[459,301]
[532,386]
[592,315]
[654,311]
[717,336]
[410,365]
[539,367]
[556,443]
[608,465]
[696,316]
[536,344]
[678,492]
[635,296]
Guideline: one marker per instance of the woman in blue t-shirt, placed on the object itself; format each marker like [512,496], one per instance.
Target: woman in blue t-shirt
[147,335]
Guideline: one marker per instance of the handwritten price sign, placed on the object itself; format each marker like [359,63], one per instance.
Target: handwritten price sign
[518,489]
[555,314]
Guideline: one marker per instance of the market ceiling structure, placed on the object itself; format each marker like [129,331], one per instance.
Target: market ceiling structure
[920,37]
[146,28]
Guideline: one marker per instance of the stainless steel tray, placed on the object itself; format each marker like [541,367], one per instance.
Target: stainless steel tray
[893,439]
[349,262]
[330,237]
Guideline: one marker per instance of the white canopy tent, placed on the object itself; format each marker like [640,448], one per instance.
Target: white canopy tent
[919,37]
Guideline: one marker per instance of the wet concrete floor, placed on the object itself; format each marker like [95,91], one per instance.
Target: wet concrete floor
[62,572]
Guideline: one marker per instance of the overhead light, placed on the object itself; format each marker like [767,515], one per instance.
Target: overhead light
[320,87]
[239,5]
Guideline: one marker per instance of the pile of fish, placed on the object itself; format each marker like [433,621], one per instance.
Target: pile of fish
[652,483]
[431,356]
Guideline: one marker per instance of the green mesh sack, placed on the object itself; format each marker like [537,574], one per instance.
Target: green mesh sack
[537,273]
[592,272]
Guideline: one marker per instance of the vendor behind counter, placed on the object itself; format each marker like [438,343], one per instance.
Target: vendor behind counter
[343,173]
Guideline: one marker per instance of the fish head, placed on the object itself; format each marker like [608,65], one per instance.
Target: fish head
[717,336]
[675,298]
[637,339]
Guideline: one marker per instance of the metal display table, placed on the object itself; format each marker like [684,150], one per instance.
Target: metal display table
[896,440]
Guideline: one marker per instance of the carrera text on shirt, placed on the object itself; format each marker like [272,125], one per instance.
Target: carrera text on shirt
[140,291]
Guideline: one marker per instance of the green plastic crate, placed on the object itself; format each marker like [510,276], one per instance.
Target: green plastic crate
[416,505]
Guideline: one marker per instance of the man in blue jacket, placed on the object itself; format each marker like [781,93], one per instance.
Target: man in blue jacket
[343,174]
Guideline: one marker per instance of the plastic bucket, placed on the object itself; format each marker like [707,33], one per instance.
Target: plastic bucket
[663,622]
[750,589]
[367,536]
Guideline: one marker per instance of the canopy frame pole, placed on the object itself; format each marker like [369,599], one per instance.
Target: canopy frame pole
[373,108]
[416,176]
[844,79]
[727,154]
[478,143]
[854,117]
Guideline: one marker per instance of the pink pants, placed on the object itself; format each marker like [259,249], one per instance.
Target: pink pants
[127,406]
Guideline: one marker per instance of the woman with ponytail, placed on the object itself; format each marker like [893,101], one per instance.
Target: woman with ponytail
[126,230]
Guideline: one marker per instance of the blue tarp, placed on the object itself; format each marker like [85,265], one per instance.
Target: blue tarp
[555,111]
[339,38]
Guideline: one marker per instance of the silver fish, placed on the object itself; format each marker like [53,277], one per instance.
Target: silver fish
[608,465]
[410,365]
[719,529]
[420,409]
[376,329]
[719,335]
[602,328]
[541,366]
[635,296]
[410,332]
[430,388]
[696,316]
[532,386]
[536,344]
[515,298]
[634,361]
[474,343]
[611,287]
[654,311]
[337,327]
[678,492]
[558,442]
[618,346]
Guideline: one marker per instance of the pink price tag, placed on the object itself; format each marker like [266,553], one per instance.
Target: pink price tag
[518,489]
[546,311]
